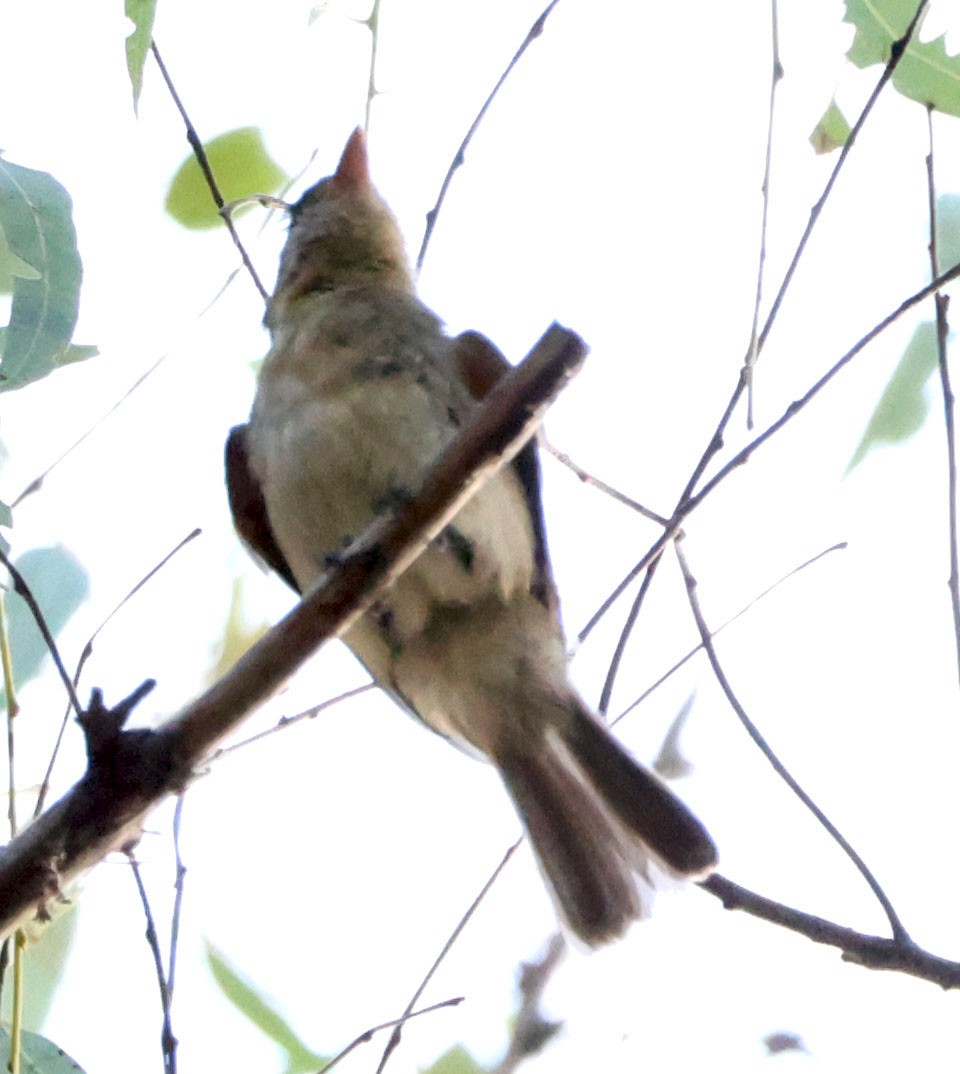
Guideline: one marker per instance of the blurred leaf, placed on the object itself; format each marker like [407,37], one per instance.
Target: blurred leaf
[242,166]
[43,964]
[948,231]
[141,12]
[903,406]
[35,215]
[6,515]
[251,1003]
[670,761]
[37,1055]
[237,635]
[926,73]
[831,132]
[59,585]
[456,1060]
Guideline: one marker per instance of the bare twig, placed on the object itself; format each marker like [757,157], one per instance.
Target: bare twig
[797,405]
[687,499]
[532,34]
[444,951]
[372,22]
[21,587]
[168,1041]
[621,646]
[200,153]
[872,952]
[600,485]
[723,626]
[716,441]
[899,932]
[776,74]
[132,771]
[367,1035]
[287,721]
[941,303]
[178,889]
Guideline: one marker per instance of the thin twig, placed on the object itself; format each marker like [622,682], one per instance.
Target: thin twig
[687,498]
[941,303]
[287,721]
[670,672]
[873,952]
[367,1035]
[899,932]
[178,889]
[532,34]
[84,656]
[776,74]
[602,486]
[168,1042]
[716,441]
[795,407]
[372,22]
[200,153]
[21,587]
[621,646]
[444,951]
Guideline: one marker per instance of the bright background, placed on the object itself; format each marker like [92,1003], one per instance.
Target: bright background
[614,186]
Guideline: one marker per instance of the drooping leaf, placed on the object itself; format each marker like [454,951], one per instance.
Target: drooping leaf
[831,132]
[252,1003]
[141,13]
[456,1060]
[241,165]
[36,218]
[903,406]
[59,585]
[37,1055]
[926,73]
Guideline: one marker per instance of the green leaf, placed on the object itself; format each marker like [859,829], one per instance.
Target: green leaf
[141,13]
[831,132]
[456,1060]
[926,73]
[903,406]
[241,165]
[35,215]
[59,585]
[12,267]
[948,231]
[251,1003]
[37,1055]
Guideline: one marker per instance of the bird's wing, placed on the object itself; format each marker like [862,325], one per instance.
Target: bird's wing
[249,508]
[482,365]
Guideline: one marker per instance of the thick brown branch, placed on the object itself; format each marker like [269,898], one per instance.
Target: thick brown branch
[104,811]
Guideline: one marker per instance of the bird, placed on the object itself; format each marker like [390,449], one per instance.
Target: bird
[360,391]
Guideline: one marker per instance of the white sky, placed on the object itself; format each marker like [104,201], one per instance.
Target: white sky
[615,187]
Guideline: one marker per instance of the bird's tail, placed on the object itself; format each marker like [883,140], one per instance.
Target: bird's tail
[595,817]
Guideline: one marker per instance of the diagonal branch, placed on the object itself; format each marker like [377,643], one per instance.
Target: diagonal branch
[132,771]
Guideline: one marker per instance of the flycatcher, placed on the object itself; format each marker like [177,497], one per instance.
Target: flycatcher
[359,394]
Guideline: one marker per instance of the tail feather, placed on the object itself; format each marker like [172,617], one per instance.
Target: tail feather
[594,817]
[641,801]
[576,845]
